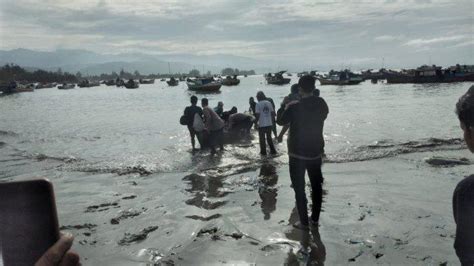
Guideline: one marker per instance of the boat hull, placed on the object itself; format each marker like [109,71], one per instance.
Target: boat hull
[210,87]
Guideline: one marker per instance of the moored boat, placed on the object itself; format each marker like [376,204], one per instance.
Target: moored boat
[131,84]
[277,78]
[110,82]
[340,78]
[45,85]
[203,84]
[15,87]
[87,84]
[172,82]
[433,74]
[66,86]
[146,81]
[231,81]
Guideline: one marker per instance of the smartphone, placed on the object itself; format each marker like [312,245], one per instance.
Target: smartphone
[28,221]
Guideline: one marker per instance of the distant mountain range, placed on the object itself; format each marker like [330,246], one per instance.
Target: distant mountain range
[91,63]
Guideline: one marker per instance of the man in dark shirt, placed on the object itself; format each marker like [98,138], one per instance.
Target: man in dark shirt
[463,198]
[293,96]
[305,147]
[190,112]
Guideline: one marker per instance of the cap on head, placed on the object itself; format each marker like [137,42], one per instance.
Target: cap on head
[307,83]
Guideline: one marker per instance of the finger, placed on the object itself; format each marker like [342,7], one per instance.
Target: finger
[70,259]
[55,253]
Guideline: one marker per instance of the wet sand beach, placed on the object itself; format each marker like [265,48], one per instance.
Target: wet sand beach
[130,190]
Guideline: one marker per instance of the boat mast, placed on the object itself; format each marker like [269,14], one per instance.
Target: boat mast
[169,68]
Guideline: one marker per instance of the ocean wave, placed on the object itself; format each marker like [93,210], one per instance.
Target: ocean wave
[43,157]
[387,149]
[8,133]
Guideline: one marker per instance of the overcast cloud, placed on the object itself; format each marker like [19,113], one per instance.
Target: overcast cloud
[349,33]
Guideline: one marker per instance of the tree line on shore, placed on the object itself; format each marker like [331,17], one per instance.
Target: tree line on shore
[11,72]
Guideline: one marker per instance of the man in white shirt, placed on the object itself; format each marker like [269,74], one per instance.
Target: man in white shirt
[264,112]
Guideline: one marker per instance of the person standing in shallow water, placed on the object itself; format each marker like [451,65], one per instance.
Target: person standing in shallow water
[189,113]
[214,125]
[305,147]
[463,198]
[264,113]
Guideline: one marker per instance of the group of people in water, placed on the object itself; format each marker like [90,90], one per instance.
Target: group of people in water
[303,112]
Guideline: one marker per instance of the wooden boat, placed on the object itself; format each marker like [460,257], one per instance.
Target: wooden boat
[131,84]
[340,78]
[87,84]
[230,81]
[433,74]
[203,84]
[15,87]
[146,81]
[110,82]
[45,85]
[173,82]
[66,86]
[277,78]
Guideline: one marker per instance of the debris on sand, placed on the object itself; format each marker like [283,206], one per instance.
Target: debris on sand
[205,219]
[208,230]
[78,227]
[102,207]
[356,256]
[126,214]
[142,235]
[446,162]
[142,171]
[378,255]
[129,197]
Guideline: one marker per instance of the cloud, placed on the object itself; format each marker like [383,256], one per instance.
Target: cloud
[438,40]
[386,38]
[292,31]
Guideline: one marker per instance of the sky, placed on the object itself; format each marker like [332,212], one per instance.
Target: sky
[386,33]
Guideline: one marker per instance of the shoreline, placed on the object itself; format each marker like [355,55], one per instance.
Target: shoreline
[371,215]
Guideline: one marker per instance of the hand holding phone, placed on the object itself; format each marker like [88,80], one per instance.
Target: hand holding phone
[29,231]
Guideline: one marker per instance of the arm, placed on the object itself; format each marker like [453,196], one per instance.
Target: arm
[284,115]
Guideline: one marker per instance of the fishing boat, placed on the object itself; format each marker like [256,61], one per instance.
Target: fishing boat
[146,81]
[433,74]
[230,81]
[66,86]
[203,84]
[15,87]
[340,78]
[172,82]
[131,84]
[45,85]
[87,84]
[277,78]
[110,82]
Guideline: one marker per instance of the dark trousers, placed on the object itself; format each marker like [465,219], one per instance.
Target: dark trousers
[216,138]
[298,167]
[262,133]
[193,135]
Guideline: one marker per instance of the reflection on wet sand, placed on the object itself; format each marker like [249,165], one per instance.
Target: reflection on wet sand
[267,190]
[203,187]
[312,252]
